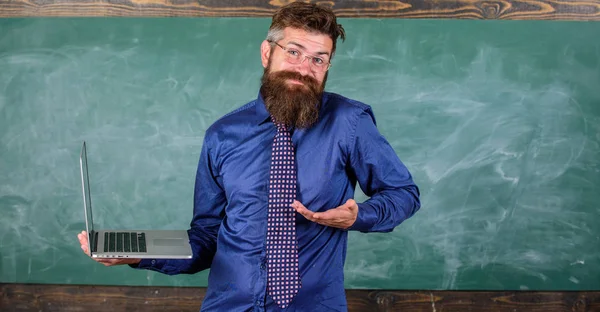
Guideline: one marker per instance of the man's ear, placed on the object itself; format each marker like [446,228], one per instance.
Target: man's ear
[265,53]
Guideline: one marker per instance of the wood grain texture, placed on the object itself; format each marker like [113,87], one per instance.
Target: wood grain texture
[38,297]
[453,9]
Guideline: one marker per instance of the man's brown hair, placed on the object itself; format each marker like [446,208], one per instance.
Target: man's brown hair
[307,16]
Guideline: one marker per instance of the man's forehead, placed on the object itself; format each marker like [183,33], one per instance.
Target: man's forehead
[310,40]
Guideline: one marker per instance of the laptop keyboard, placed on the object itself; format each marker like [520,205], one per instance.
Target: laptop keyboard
[124,242]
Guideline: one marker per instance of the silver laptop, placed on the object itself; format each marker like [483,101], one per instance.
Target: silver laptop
[155,244]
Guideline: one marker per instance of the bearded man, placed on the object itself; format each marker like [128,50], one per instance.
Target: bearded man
[273,199]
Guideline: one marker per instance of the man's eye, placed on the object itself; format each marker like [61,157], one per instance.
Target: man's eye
[293,52]
[318,60]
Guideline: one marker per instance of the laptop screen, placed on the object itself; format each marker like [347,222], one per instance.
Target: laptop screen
[87,200]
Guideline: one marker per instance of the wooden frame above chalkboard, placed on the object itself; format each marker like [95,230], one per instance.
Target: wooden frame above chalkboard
[451,9]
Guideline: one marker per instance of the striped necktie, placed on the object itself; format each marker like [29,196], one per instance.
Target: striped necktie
[283,280]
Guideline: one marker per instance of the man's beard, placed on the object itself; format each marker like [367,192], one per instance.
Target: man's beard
[292,104]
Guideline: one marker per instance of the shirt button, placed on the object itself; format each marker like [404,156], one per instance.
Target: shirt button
[153,261]
[263,266]
[258,302]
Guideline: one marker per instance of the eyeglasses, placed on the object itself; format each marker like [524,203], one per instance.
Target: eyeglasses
[295,56]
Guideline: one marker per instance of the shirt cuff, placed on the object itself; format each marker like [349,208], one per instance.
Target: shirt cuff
[147,264]
[366,218]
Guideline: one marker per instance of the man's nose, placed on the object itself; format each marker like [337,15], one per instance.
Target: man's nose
[304,67]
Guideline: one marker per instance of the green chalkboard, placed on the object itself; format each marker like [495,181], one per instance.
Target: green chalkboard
[498,121]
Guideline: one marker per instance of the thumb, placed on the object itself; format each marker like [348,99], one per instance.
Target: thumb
[351,204]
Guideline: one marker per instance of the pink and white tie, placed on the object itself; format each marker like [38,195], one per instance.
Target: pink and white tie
[283,280]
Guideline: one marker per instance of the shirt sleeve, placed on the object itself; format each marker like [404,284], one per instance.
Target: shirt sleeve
[394,197]
[209,207]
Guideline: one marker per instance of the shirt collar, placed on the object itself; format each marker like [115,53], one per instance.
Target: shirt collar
[262,115]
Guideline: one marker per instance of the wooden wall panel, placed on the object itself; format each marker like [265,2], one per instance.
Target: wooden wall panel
[37,297]
[465,9]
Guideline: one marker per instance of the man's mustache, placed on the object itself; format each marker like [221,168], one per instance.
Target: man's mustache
[286,74]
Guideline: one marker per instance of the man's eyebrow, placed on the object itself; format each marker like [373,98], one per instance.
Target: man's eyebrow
[304,48]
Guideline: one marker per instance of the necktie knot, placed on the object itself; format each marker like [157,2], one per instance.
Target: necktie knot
[281,127]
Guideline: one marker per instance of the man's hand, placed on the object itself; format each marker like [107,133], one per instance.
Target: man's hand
[340,217]
[83,240]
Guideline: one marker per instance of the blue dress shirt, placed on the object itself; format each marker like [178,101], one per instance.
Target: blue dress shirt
[228,230]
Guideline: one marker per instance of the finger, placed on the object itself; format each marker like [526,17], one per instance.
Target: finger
[107,262]
[339,212]
[82,236]
[326,215]
[302,210]
[349,204]
[85,249]
[111,262]
[330,214]
[82,239]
